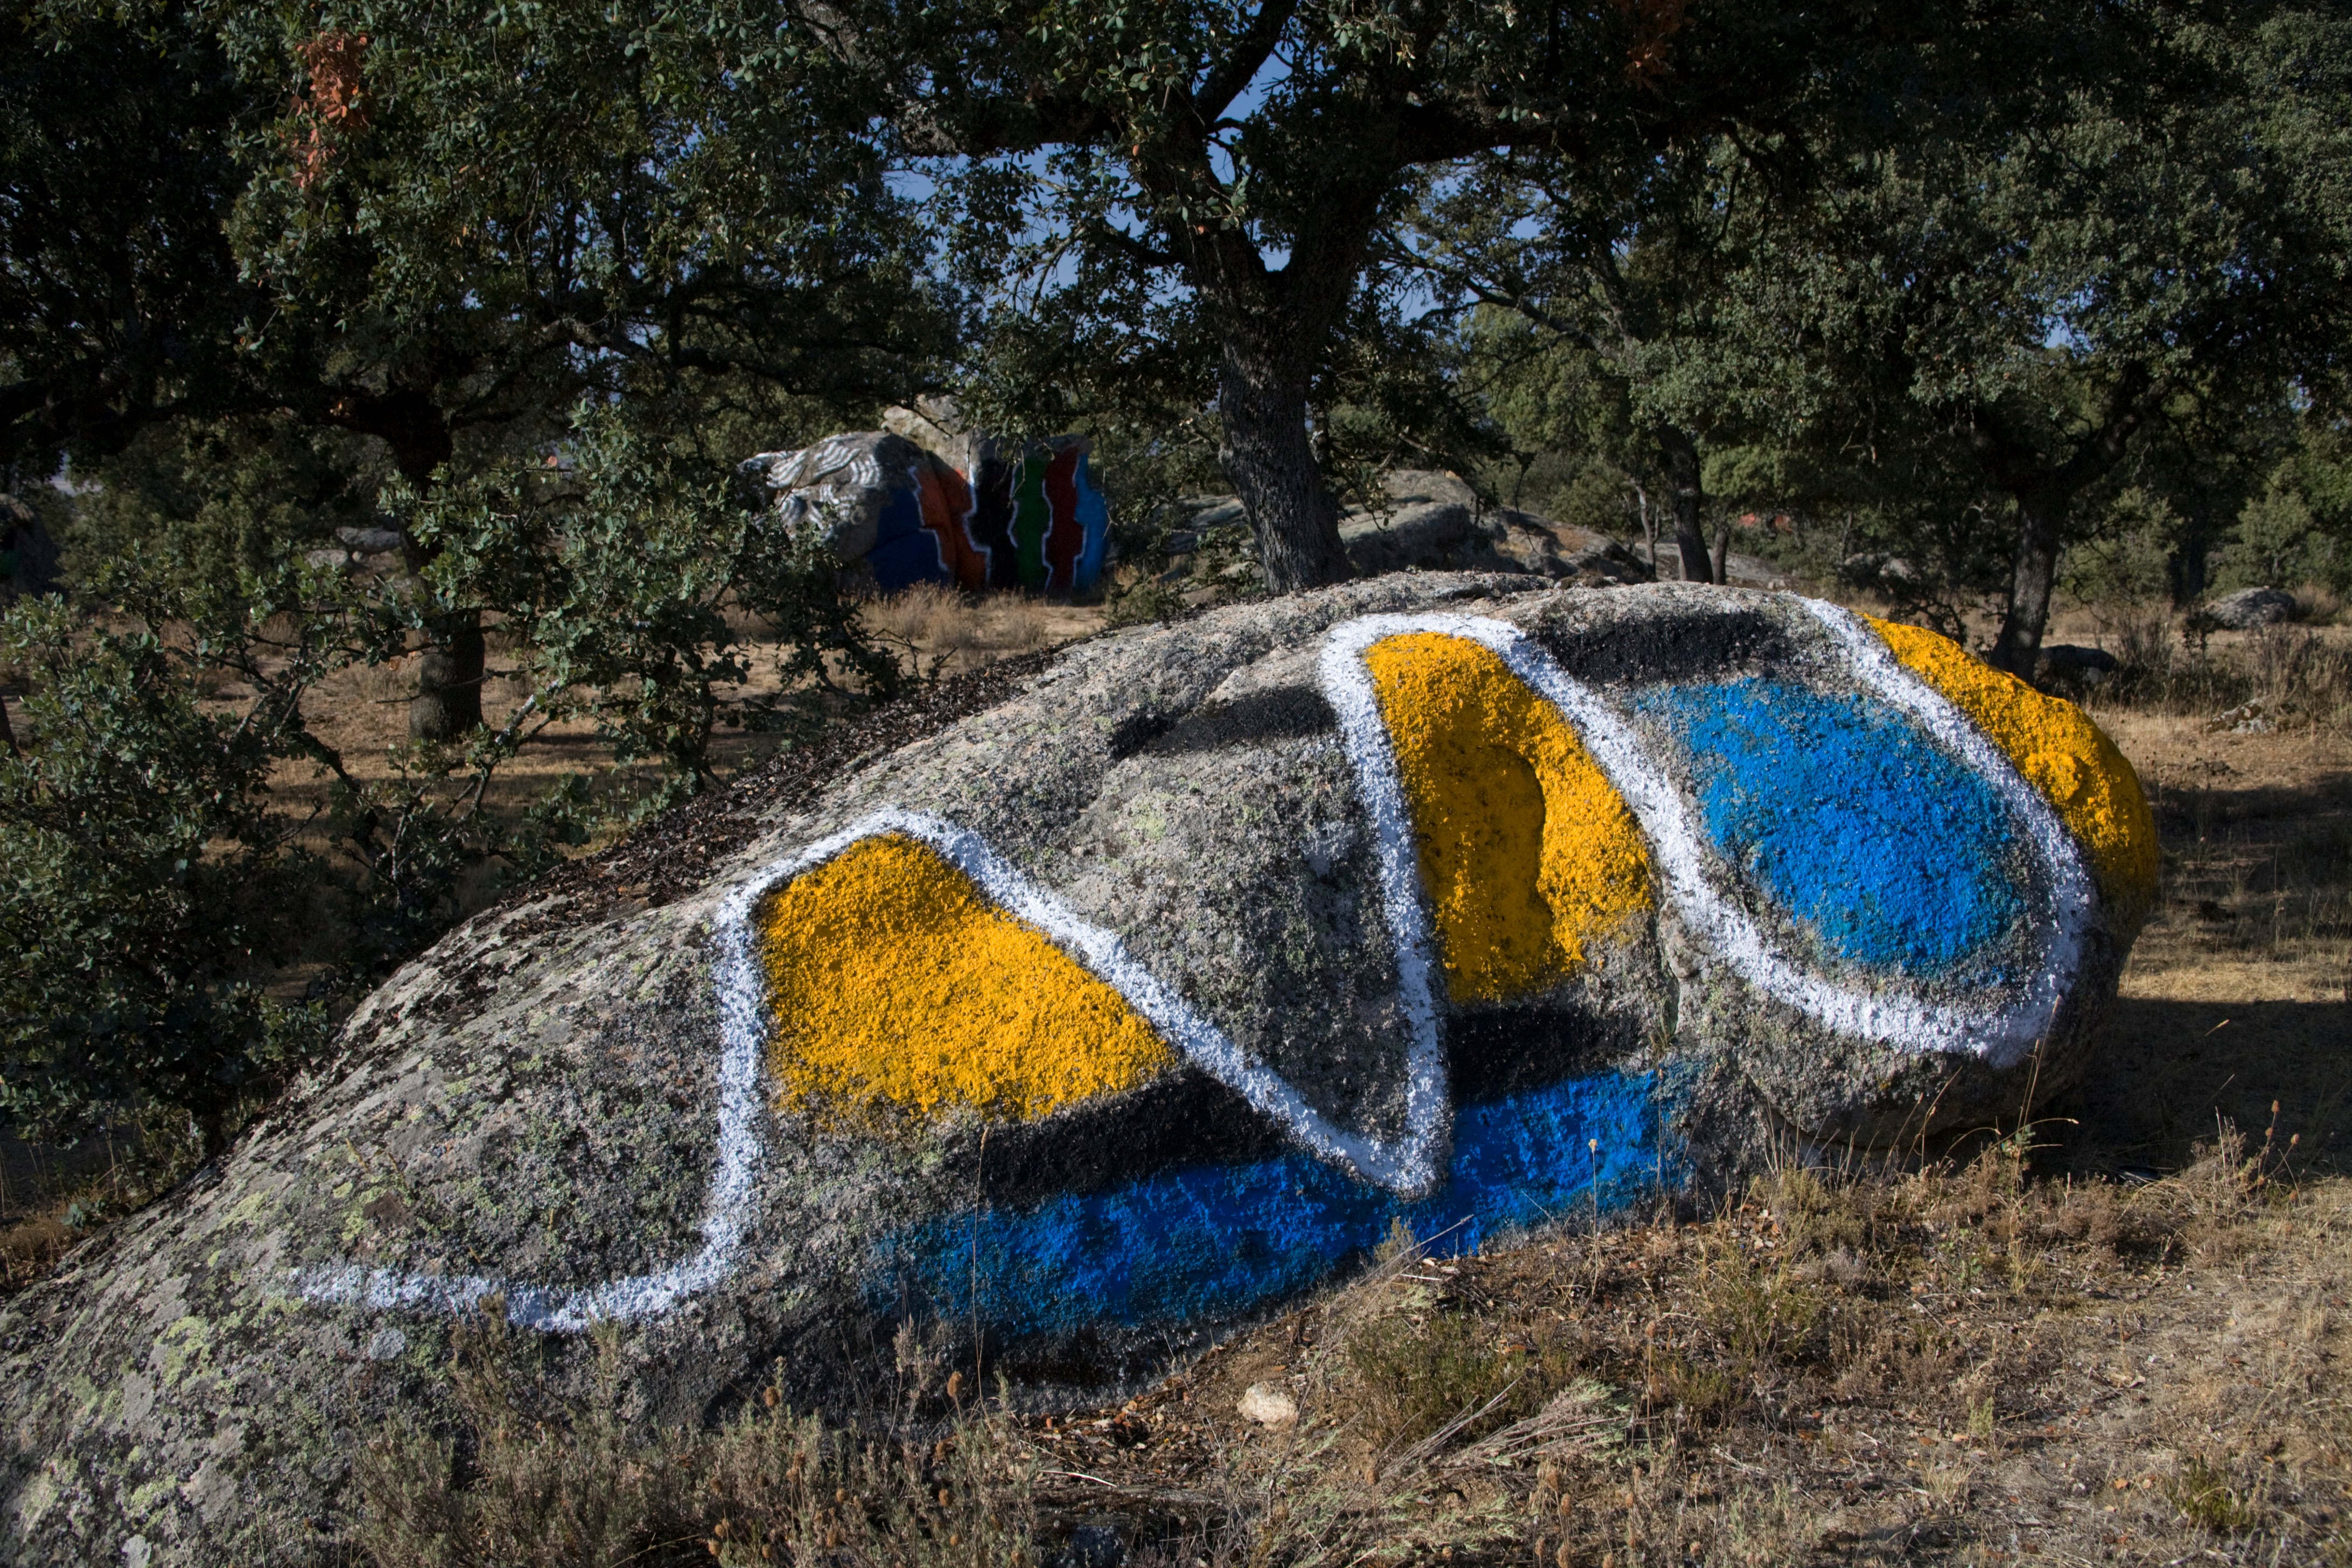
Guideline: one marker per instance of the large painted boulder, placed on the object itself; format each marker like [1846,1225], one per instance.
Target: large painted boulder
[1029,518]
[1145,997]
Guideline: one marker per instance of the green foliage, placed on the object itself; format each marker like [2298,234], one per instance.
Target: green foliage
[685,203]
[145,885]
[155,887]
[2126,557]
[2297,529]
[624,573]
[269,275]
[1951,319]
[119,297]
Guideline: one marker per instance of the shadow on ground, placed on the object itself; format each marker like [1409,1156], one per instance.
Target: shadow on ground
[2167,1071]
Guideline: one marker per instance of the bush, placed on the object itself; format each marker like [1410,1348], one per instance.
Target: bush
[154,894]
[145,884]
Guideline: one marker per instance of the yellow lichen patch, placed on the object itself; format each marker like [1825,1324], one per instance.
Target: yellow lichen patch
[2060,753]
[1528,852]
[896,985]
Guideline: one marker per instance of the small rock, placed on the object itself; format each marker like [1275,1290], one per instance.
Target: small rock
[2255,718]
[369,541]
[2065,663]
[1268,1406]
[1094,1546]
[1428,536]
[2246,609]
[1841,1266]
[386,1343]
[1877,569]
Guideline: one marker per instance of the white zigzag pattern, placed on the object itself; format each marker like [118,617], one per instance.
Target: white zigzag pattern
[1408,1165]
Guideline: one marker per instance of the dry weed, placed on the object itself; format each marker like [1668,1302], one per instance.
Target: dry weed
[942,630]
[576,1489]
[1848,1364]
[31,1246]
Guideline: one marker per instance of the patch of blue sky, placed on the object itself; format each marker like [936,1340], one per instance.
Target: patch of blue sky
[1210,1241]
[1889,850]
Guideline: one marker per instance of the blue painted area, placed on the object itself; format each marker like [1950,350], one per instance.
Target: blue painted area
[1094,517]
[905,552]
[1213,1240]
[1892,851]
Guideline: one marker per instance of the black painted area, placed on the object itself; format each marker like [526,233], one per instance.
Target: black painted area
[992,520]
[1696,647]
[1495,1051]
[1281,712]
[1185,1118]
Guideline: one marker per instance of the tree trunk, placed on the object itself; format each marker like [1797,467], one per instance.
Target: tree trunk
[2042,488]
[2040,523]
[448,700]
[449,667]
[1270,459]
[1684,486]
[1723,548]
[2186,567]
[1649,526]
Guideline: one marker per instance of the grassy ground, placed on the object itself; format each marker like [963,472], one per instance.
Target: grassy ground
[1963,1365]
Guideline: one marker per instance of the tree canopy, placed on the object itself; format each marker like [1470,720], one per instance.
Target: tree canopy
[1244,160]
[1998,296]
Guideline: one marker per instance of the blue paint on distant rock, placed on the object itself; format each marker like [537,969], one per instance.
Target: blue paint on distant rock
[1893,852]
[1210,1240]
[904,554]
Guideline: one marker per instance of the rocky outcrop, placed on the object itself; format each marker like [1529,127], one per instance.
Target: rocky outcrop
[1022,515]
[1112,1013]
[1428,521]
[2246,609]
[2061,667]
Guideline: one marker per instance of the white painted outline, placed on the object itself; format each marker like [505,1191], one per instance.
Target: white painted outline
[1905,1019]
[1410,1164]
[552,1309]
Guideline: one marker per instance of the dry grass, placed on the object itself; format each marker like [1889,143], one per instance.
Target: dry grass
[527,1484]
[1957,1364]
[2275,678]
[52,1199]
[944,631]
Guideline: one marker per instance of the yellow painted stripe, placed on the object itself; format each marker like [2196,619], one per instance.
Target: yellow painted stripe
[898,986]
[2059,751]
[1528,852]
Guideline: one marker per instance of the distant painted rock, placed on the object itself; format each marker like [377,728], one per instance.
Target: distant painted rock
[1138,1001]
[1028,518]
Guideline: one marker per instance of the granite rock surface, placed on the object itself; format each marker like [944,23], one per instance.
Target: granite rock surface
[1150,993]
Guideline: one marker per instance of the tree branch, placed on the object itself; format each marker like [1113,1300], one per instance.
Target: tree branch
[1251,51]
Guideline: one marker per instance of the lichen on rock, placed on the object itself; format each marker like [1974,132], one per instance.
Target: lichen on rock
[1110,1012]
